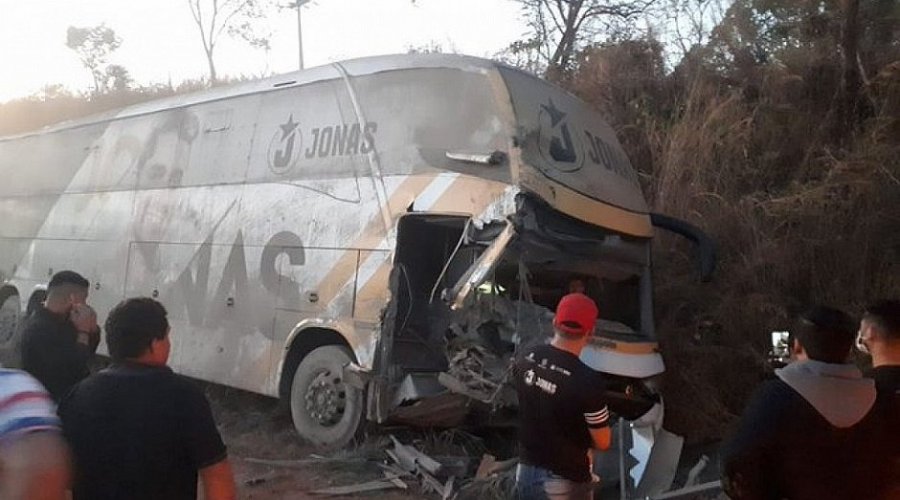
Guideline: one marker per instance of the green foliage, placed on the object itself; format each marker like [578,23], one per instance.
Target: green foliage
[94,45]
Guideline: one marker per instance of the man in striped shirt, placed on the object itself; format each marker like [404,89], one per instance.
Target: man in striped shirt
[33,457]
[563,413]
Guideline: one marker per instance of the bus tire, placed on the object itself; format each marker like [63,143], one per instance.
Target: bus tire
[326,411]
[10,333]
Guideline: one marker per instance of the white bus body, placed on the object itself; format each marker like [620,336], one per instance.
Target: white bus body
[319,218]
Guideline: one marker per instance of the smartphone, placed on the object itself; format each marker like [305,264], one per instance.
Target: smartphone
[780,349]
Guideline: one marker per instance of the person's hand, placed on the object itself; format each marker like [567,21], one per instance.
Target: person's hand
[84,318]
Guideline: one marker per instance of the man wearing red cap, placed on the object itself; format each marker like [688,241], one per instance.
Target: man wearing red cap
[563,414]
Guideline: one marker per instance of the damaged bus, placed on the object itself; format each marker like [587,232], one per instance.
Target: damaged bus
[368,240]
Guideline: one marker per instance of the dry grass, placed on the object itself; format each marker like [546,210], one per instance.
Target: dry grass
[798,218]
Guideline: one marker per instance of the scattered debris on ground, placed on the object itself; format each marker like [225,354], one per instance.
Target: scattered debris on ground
[431,473]
[271,462]
[304,462]
[407,467]
[389,481]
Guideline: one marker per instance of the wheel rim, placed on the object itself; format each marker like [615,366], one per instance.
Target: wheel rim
[326,399]
[9,318]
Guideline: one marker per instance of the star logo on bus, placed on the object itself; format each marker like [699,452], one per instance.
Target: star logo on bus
[288,128]
[555,114]
[284,148]
[558,145]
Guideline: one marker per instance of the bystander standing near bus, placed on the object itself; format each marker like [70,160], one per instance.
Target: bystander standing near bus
[138,430]
[814,432]
[60,337]
[879,335]
[563,412]
[34,461]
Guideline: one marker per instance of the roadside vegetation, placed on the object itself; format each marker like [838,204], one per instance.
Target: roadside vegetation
[780,136]
[772,124]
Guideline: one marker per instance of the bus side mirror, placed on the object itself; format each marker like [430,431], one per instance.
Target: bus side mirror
[706,247]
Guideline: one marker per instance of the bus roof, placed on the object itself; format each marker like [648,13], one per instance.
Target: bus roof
[445,106]
[354,67]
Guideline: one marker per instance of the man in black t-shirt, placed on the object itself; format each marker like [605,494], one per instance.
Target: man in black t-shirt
[61,336]
[138,430]
[879,335]
[563,414]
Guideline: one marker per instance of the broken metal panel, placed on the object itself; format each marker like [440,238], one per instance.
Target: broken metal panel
[416,386]
[379,394]
[487,328]
[502,324]
[442,411]
[498,210]
[691,492]
[428,470]
[550,233]
[478,272]
[658,472]
[390,481]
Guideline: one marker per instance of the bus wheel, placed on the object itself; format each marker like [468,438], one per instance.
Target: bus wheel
[326,411]
[9,330]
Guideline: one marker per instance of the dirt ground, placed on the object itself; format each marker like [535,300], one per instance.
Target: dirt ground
[258,428]
[260,438]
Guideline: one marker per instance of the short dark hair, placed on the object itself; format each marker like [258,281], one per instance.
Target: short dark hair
[886,315]
[133,325]
[826,334]
[68,278]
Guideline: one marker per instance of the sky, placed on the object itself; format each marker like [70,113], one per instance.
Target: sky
[160,42]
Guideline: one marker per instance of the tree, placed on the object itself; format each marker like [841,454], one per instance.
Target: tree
[560,28]
[117,78]
[94,46]
[692,21]
[432,47]
[833,48]
[233,17]
[525,55]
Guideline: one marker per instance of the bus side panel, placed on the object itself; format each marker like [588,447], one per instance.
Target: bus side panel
[45,163]
[103,263]
[372,286]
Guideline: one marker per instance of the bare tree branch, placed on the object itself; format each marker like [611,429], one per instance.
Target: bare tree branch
[234,17]
[563,27]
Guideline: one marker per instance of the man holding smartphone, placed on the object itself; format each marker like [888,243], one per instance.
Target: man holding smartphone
[61,336]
